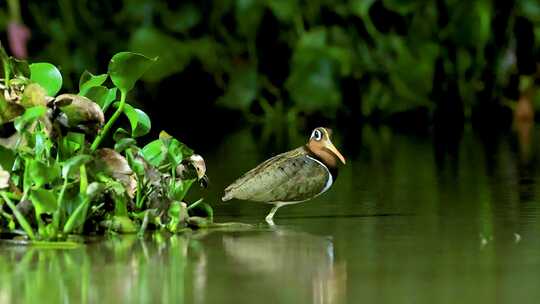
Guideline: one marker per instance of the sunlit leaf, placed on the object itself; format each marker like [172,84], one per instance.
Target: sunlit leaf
[89,80]
[139,121]
[125,68]
[47,76]
[154,153]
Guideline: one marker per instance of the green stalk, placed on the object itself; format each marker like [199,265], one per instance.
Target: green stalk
[83,183]
[58,215]
[6,72]
[109,123]
[20,218]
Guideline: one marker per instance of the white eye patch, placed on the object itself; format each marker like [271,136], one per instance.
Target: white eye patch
[317,135]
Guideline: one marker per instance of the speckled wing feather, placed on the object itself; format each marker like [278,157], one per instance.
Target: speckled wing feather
[288,177]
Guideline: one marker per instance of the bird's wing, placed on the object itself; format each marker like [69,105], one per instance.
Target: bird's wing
[287,177]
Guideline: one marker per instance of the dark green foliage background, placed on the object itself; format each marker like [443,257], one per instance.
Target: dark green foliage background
[361,58]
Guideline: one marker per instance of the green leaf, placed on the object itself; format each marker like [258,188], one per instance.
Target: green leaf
[181,189]
[47,76]
[78,217]
[98,94]
[30,115]
[88,80]
[242,88]
[154,152]
[178,216]
[44,201]
[111,97]
[177,151]
[40,173]
[361,7]
[7,158]
[136,164]
[140,122]
[172,59]
[71,143]
[124,143]
[19,67]
[125,68]
[72,164]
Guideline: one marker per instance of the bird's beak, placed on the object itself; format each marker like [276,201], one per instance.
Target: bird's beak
[204,181]
[330,147]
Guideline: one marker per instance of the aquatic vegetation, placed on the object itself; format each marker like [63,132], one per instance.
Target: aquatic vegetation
[374,59]
[66,167]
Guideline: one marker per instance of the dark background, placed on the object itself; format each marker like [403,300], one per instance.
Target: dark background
[418,66]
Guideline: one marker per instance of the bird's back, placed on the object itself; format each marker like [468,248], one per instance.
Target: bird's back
[288,177]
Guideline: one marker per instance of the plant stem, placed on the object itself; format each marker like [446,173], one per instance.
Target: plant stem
[110,122]
[20,218]
[83,183]
[58,216]
[6,73]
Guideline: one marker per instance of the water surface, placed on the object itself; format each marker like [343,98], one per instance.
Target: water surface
[408,221]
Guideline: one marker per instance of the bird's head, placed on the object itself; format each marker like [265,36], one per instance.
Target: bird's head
[193,166]
[320,144]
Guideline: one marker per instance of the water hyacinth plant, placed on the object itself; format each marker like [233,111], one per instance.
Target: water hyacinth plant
[56,176]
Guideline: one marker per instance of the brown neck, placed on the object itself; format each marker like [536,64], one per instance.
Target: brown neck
[323,155]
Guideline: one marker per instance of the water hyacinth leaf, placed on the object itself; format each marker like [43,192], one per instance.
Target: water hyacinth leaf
[47,76]
[123,144]
[19,67]
[89,80]
[7,158]
[139,121]
[178,215]
[136,164]
[72,164]
[97,94]
[40,173]
[44,201]
[125,68]
[181,188]
[78,217]
[121,224]
[71,144]
[154,153]
[120,133]
[111,97]
[30,115]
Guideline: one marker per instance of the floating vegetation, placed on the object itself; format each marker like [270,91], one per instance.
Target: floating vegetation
[66,168]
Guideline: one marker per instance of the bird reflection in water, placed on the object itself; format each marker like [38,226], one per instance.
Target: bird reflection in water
[300,267]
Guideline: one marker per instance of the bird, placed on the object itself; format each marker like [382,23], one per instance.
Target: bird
[292,177]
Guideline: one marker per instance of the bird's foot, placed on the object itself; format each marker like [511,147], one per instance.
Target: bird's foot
[270,220]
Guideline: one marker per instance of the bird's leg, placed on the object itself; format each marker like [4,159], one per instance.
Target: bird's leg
[270,217]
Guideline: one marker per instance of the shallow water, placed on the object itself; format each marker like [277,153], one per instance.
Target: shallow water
[409,220]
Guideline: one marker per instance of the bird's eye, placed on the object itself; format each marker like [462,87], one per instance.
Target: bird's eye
[317,135]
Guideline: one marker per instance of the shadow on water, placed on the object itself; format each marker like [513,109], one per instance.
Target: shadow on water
[411,219]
